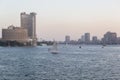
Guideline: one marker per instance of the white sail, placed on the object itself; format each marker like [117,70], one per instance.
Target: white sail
[54,49]
[55,46]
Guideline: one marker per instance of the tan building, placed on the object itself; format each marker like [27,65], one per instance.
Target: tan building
[15,34]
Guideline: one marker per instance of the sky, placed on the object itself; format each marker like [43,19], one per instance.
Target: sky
[57,18]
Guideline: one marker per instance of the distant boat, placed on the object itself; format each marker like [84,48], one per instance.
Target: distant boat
[54,49]
[103,45]
[80,47]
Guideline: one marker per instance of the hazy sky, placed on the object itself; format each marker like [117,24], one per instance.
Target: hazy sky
[57,18]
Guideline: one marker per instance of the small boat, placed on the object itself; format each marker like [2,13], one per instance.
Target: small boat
[54,49]
[103,45]
[80,47]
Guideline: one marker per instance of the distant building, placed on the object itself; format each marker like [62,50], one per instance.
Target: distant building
[82,38]
[87,38]
[15,34]
[79,41]
[118,40]
[94,40]
[110,38]
[28,21]
[67,39]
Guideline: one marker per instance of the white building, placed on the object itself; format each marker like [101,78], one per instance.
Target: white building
[28,21]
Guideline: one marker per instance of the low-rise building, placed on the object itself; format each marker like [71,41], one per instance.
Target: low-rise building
[13,33]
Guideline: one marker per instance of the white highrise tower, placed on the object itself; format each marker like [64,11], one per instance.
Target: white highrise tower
[28,21]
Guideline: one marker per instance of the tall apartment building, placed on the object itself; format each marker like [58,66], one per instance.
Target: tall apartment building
[110,38]
[67,39]
[87,38]
[28,21]
[82,38]
[94,40]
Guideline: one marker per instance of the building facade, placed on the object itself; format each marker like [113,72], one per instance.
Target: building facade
[110,38]
[15,34]
[28,21]
[94,40]
[87,38]
[82,38]
[67,39]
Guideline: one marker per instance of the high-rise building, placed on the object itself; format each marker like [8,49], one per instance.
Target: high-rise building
[28,21]
[94,39]
[87,38]
[82,38]
[67,39]
[118,40]
[110,38]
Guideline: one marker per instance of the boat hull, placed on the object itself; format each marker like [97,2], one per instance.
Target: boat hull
[54,52]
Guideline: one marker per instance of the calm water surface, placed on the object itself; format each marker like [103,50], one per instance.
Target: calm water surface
[72,63]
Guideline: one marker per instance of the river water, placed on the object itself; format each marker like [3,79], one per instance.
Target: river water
[72,63]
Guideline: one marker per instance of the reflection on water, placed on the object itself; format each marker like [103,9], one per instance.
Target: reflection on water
[73,63]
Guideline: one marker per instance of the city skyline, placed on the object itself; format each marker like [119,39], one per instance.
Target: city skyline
[109,38]
[71,17]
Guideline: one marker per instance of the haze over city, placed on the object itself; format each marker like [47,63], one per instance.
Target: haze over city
[57,18]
